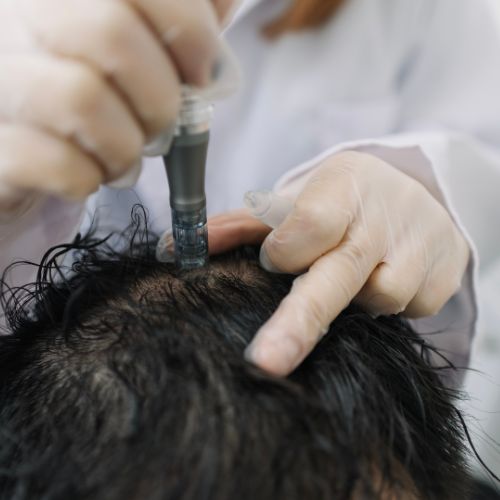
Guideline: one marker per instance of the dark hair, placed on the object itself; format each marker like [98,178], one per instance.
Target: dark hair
[125,379]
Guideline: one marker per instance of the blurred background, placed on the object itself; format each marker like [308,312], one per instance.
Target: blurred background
[497,6]
[483,381]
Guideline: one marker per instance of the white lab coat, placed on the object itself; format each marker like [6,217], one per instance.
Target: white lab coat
[415,82]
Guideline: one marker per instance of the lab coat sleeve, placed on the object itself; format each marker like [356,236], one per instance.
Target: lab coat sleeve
[447,137]
[47,223]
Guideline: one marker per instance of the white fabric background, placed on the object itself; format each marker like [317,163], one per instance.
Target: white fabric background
[483,386]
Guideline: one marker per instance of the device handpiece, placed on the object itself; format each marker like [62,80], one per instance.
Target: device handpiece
[185,165]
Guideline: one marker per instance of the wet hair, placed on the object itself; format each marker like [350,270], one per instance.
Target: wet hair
[125,379]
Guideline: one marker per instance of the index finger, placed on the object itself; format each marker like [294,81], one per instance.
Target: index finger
[190,33]
[315,300]
[323,213]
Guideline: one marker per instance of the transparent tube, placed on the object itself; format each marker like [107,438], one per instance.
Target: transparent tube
[190,238]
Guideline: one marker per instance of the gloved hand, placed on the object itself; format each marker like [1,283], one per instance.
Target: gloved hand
[84,85]
[358,229]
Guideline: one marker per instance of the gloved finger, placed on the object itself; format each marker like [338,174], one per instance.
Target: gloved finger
[443,279]
[34,160]
[14,202]
[315,300]
[113,39]
[430,299]
[391,286]
[190,32]
[77,105]
[248,227]
[268,207]
[129,179]
[318,222]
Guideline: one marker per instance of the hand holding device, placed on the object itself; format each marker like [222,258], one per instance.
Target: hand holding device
[85,85]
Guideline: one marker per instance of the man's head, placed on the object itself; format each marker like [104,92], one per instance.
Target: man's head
[127,381]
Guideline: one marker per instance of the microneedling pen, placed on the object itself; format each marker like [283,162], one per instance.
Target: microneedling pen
[185,164]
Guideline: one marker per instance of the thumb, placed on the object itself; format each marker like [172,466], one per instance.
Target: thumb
[268,207]
[271,209]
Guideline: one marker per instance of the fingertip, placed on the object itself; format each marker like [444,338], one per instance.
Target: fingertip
[160,145]
[382,305]
[276,357]
[268,207]
[165,251]
[224,74]
[266,262]
[129,179]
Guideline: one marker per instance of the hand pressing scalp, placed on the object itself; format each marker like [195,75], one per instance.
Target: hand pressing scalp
[359,230]
[84,85]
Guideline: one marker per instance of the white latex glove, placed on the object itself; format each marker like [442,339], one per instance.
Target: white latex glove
[357,228]
[84,85]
